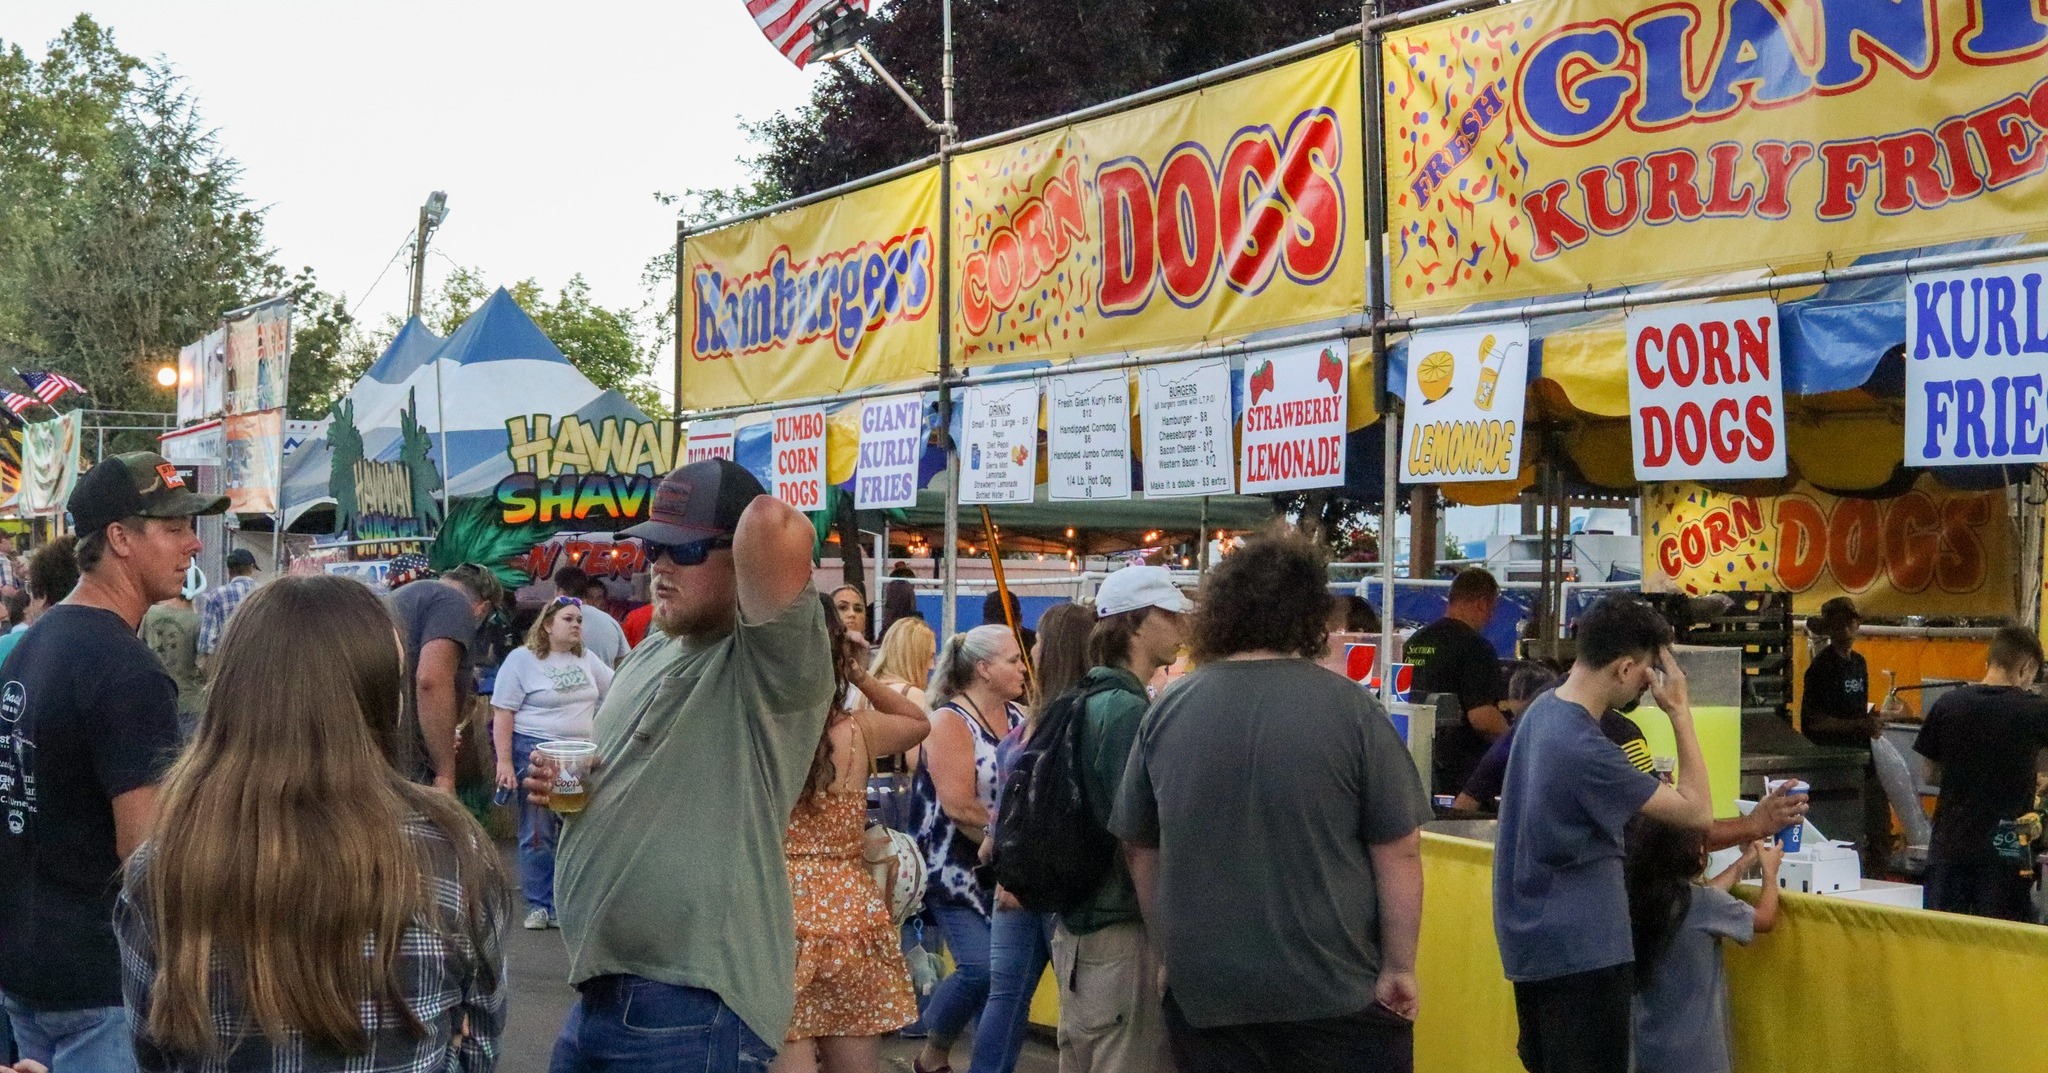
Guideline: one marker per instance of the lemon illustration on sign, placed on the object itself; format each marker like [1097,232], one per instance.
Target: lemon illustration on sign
[1433,376]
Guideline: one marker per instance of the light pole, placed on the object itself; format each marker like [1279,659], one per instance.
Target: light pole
[836,32]
[432,213]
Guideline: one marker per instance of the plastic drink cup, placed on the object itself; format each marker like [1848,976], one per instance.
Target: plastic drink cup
[572,760]
[1788,836]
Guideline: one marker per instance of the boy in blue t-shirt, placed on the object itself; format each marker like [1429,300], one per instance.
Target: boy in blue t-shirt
[1560,906]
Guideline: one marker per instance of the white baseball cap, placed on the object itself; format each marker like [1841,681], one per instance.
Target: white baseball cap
[1134,587]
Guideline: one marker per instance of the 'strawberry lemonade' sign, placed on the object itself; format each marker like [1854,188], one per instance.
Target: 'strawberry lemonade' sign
[1000,438]
[1553,146]
[1088,436]
[1210,214]
[1185,418]
[567,470]
[707,440]
[814,300]
[1294,413]
[891,443]
[1464,400]
[797,464]
[1707,391]
[1976,352]
[1930,551]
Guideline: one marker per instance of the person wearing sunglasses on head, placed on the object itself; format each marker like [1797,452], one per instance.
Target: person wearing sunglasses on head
[670,886]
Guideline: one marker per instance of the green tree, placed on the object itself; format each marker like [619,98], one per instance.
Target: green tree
[604,344]
[123,233]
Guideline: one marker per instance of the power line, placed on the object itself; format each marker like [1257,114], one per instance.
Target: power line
[403,245]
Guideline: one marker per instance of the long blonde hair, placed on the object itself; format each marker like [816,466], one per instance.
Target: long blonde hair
[279,846]
[906,652]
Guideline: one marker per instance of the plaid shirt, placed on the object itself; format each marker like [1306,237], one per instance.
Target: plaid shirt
[216,606]
[438,967]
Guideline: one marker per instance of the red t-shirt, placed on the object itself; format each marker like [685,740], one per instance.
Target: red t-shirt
[636,624]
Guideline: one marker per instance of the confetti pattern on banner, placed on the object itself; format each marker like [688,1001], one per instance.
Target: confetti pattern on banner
[1680,510]
[1050,316]
[1457,234]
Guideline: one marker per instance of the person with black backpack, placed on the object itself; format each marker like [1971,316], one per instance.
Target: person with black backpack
[1054,851]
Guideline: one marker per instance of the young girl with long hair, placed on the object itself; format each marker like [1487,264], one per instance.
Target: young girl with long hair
[851,981]
[1678,921]
[299,904]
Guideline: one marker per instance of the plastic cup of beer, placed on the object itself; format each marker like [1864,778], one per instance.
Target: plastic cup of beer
[572,760]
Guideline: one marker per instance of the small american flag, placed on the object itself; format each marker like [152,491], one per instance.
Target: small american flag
[787,23]
[48,386]
[16,403]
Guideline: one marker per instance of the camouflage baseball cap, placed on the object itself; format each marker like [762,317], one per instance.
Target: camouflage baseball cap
[135,485]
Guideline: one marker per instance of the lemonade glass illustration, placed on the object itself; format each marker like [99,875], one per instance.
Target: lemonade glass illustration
[1491,358]
[1433,376]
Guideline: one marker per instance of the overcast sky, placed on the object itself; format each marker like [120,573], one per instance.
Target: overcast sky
[550,125]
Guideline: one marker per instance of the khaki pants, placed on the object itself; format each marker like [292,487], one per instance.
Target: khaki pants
[1111,1017]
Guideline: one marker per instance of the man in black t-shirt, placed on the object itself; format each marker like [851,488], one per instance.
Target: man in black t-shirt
[1450,656]
[1835,706]
[1983,740]
[88,721]
[437,621]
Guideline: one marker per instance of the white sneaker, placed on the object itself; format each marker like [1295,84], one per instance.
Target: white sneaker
[539,920]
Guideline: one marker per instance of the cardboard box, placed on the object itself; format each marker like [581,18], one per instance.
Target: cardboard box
[1822,868]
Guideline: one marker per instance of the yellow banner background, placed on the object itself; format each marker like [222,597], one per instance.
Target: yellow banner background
[1508,132]
[1257,186]
[815,300]
[1930,551]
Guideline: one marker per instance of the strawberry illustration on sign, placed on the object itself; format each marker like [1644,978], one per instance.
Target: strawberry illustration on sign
[1330,370]
[1261,380]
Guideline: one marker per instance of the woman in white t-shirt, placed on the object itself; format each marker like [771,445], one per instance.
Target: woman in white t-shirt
[547,690]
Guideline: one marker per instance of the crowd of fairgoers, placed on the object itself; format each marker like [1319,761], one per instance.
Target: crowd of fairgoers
[242,822]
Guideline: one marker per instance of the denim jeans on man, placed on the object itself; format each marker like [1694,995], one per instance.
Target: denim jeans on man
[960,996]
[539,829]
[629,1024]
[1019,945]
[96,1039]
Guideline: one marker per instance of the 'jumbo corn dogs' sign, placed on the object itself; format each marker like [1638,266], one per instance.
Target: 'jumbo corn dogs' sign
[1464,404]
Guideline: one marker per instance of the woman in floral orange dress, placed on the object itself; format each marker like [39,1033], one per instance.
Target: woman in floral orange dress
[851,983]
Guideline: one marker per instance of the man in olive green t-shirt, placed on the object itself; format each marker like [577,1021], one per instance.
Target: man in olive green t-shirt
[671,885]
[1110,1015]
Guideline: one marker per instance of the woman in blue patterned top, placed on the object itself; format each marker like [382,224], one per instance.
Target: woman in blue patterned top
[974,689]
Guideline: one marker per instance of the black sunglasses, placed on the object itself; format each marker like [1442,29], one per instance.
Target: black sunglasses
[691,554]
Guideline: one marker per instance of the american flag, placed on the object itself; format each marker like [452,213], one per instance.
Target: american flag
[16,403]
[787,23]
[50,385]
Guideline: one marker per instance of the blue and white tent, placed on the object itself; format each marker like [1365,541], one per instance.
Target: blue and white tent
[497,366]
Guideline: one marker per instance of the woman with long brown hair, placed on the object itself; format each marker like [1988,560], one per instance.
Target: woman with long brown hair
[851,981]
[299,904]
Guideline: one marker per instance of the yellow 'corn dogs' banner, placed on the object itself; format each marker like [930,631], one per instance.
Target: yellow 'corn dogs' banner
[1215,213]
[1550,146]
[1928,551]
[814,300]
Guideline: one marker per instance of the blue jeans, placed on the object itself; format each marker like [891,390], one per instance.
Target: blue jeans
[1020,943]
[96,1038]
[539,830]
[630,1024]
[960,996]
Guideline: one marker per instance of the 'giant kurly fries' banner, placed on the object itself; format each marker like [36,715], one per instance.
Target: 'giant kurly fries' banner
[815,300]
[1206,216]
[1549,146]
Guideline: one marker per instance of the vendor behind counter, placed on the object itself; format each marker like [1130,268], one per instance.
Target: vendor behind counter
[1835,702]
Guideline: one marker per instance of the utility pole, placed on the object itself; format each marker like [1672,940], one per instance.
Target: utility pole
[432,213]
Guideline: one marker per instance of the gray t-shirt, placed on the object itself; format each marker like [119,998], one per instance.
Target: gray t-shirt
[430,611]
[1559,904]
[1681,1013]
[1263,783]
[603,636]
[675,869]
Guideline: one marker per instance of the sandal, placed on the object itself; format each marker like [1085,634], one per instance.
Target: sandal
[918,1067]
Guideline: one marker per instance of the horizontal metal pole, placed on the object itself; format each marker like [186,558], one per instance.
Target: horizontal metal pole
[684,230]
[1734,288]
[365,543]
[1427,13]
[237,314]
[1171,89]
[912,388]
